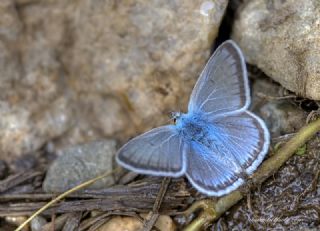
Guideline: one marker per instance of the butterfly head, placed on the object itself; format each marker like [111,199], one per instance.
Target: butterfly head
[175,116]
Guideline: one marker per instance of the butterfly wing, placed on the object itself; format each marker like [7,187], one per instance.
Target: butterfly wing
[246,137]
[158,152]
[208,171]
[238,139]
[240,142]
[223,84]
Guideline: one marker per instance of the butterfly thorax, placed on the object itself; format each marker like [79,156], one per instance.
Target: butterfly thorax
[195,129]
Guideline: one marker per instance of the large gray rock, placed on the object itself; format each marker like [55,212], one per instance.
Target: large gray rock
[147,57]
[80,163]
[282,38]
[113,66]
[33,105]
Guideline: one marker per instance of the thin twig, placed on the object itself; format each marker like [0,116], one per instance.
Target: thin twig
[63,195]
[149,223]
[56,223]
[139,196]
[160,196]
[269,97]
[17,179]
[283,138]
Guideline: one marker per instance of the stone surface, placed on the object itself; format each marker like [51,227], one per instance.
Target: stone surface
[80,163]
[282,38]
[121,223]
[282,117]
[32,110]
[37,223]
[146,57]
[23,130]
[164,223]
[75,71]
[3,169]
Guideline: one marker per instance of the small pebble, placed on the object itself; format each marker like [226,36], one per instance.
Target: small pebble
[164,223]
[80,163]
[37,223]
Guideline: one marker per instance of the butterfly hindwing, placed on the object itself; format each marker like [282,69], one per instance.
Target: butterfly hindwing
[209,172]
[246,137]
[239,144]
[156,152]
[223,84]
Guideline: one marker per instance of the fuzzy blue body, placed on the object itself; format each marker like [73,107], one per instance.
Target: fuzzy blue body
[196,130]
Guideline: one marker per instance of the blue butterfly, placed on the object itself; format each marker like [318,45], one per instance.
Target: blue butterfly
[217,142]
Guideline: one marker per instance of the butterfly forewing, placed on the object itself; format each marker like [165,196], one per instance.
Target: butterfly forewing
[223,84]
[157,152]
